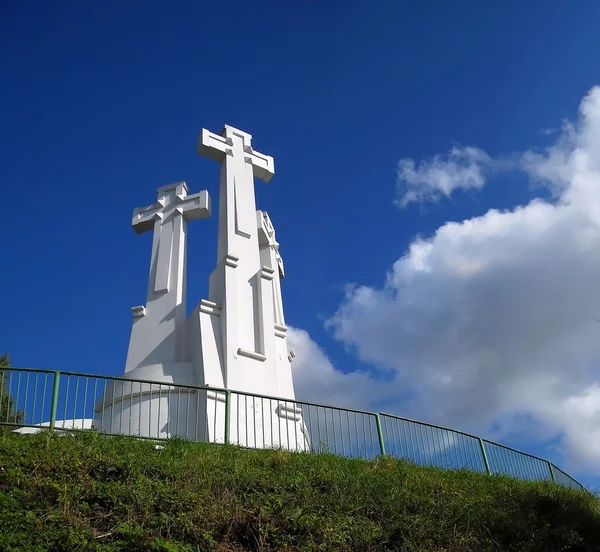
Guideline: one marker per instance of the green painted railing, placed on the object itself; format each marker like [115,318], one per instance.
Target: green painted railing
[68,400]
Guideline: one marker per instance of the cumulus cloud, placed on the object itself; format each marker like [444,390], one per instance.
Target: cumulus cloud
[317,380]
[461,167]
[488,323]
[556,166]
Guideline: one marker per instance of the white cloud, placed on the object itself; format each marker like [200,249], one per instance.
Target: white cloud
[461,167]
[488,322]
[556,165]
[317,380]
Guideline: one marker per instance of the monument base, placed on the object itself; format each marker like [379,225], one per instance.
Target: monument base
[258,422]
[165,410]
[159,410]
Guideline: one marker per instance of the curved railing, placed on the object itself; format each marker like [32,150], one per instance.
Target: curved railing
[32,398]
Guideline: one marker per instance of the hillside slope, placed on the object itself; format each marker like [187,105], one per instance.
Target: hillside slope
[91,492]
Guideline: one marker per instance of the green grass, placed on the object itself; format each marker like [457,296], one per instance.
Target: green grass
[91,492]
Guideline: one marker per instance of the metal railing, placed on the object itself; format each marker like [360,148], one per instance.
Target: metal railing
[73,401]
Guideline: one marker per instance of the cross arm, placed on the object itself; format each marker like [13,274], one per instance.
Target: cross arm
[213,146]
[216,147]
[144,217]
[195,206]
[263,166]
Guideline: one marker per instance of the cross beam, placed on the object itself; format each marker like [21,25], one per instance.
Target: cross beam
[173,202]
[192,207]
[215,146]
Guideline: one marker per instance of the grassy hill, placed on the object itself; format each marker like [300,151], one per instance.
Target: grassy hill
[91,492]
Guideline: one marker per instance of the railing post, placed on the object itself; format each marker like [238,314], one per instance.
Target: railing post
[2,384]
[485,458]
[551,468]
[54,404]
[380,434]
[227,417]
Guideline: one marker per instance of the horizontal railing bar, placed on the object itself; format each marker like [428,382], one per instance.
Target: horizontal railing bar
[429,424]
[566,474]
[42,370]
[561,471]
[116,378]
[281,399]
[514,450]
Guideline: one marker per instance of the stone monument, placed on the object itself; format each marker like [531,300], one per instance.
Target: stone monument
[157,349]
[234,340]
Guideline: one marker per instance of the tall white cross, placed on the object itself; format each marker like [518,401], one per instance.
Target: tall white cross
[163,216]
[216,146]
[245,290]
[240,163]
[157,333]
[236,283]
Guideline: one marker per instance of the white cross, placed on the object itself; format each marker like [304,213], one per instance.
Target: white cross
[173,202]
[242,163]
[217,147]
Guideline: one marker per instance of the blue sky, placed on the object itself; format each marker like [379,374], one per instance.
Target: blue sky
[102,103]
